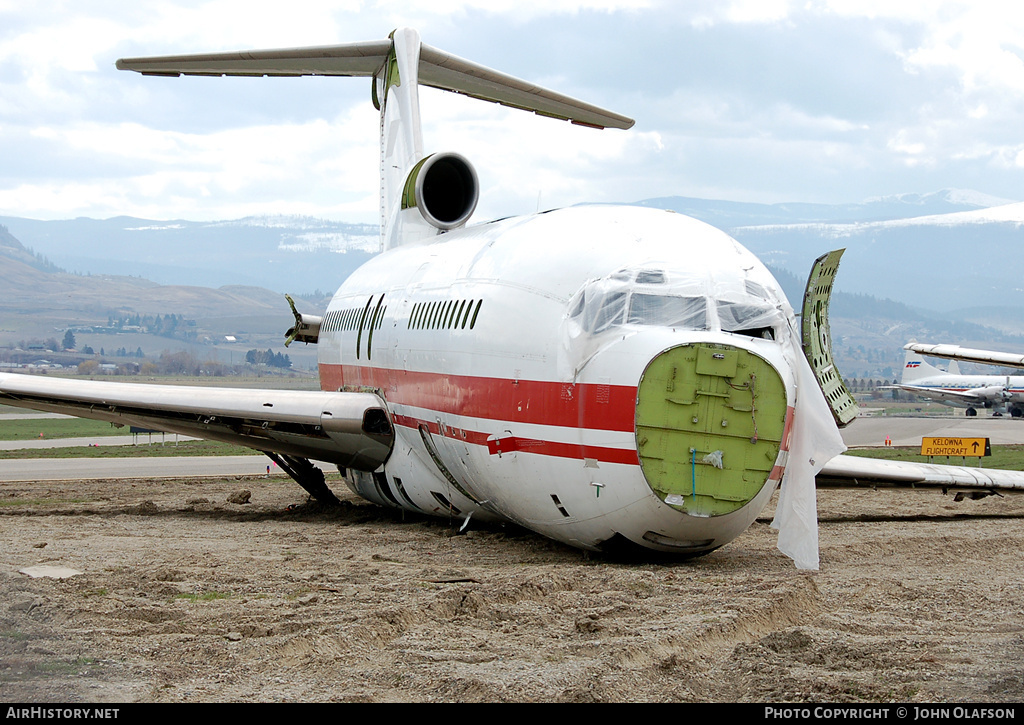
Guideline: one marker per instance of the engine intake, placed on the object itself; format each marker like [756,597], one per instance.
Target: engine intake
[444,188]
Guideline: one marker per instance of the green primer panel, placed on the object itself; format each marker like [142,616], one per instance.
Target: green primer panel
[709,424]
[817,337]
[409,190]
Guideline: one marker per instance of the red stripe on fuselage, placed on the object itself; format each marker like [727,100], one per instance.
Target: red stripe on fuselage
[581,405]
[787,429]
[536,402]
[497,445]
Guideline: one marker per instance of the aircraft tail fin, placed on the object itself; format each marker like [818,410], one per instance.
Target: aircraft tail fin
[915,368]
[442,187]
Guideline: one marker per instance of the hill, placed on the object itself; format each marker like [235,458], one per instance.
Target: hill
[948,252]
[932,267]
[285,254]
[31,288]
[868,333]
[42,302]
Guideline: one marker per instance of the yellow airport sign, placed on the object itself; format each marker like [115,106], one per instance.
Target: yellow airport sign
[952,446]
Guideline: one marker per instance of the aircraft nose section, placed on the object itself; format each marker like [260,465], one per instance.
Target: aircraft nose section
[710,425]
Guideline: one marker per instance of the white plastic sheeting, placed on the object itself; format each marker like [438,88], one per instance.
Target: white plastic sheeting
[814,441]
[651,296]
[743,300]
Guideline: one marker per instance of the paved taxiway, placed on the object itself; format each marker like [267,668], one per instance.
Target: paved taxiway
[867,431]
[142,440]
[58,469]
[871,431]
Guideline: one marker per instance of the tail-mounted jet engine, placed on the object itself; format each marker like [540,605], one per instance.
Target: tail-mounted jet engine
[444,188]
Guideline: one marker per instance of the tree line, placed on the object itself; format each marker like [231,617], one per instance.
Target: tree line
[268,357]
[184,363]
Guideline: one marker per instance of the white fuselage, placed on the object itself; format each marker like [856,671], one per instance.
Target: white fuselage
[999,392]
[1012,385]
[507,403]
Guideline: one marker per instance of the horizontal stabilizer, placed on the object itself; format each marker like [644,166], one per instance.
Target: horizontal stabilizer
[350,59]
[437,69]
[450,73]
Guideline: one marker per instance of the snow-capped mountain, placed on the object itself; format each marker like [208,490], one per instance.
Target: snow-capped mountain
[281,253]
[939,251]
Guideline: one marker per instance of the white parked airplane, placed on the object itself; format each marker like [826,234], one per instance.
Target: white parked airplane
[1000,393]
[607,376]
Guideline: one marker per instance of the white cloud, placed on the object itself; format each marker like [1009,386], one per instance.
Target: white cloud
[756,11]
[519,9]
[765,100]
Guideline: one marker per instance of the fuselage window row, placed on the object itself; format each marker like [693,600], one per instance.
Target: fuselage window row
[438,315]
[343,320]
[348,320]
[444,315]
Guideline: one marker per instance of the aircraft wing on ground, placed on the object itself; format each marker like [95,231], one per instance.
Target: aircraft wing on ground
[955,352]
[348,429]
[845,471]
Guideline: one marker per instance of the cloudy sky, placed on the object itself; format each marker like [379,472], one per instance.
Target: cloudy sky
[752,100]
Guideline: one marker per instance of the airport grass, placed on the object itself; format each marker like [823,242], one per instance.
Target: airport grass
[1007,457]
[141,450]
[35,428]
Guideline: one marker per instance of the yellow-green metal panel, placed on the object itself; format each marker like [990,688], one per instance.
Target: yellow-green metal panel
[709,425]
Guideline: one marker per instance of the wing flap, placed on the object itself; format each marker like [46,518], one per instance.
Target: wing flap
[349,429]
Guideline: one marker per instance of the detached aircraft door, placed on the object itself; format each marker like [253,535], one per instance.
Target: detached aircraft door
[817,337]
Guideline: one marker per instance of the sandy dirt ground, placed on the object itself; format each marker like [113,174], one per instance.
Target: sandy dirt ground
[185,597]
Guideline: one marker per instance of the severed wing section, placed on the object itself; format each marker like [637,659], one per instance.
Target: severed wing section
[352,430]
[437,69]
[847,471]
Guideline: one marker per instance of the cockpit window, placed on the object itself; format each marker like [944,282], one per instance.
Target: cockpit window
[650,276]
[668,311]
[651,296]
[757,290]
[739,315]
[605,312]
